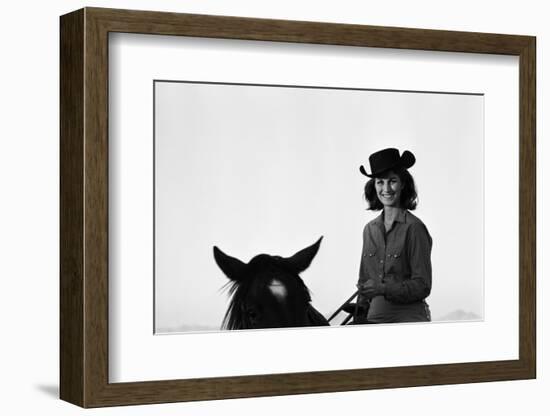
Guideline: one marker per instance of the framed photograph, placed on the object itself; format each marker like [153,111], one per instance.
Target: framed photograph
[254,207]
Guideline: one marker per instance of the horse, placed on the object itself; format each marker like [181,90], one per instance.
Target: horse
[267,292]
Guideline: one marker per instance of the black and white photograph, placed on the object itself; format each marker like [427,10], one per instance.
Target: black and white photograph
[292,206]
[248,208]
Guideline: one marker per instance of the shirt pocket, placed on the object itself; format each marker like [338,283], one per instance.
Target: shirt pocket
[397,266]
[370,253]
[369,262]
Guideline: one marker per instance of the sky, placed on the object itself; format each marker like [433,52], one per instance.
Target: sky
[270,169]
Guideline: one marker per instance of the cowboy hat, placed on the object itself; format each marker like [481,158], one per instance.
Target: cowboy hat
[387,159]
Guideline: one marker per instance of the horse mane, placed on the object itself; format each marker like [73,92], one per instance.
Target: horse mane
[234,318]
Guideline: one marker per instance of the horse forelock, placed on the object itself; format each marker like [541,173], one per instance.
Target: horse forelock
[263,274]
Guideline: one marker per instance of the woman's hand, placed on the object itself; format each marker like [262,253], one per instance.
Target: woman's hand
[371,288]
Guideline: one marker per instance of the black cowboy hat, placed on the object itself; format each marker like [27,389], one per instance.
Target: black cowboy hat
[387,159]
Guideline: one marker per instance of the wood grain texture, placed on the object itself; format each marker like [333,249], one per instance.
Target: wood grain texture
[528,208]
[71,185]
[96,209]
[84,207]
[162,23]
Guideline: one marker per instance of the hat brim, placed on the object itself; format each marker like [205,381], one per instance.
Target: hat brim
[406,161]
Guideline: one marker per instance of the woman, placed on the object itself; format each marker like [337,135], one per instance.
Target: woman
[395,276]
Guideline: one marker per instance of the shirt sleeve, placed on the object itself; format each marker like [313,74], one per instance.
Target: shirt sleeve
[419,286]
[362,300]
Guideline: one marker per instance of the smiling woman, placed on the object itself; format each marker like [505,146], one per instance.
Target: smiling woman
[395,275]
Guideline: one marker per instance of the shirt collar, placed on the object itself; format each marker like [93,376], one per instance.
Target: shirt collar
[401,217]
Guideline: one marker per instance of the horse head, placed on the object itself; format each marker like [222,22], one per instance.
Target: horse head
[267,292]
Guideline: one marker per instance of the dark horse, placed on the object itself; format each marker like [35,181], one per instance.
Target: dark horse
[267,292]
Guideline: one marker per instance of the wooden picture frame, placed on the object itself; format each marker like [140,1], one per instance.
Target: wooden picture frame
[84,207]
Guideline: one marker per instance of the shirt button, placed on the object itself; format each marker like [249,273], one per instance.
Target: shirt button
[381,261]
[380,275]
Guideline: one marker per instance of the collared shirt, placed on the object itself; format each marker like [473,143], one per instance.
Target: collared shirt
[399,258]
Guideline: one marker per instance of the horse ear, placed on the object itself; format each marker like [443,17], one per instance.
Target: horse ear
[233,268]
[302,259]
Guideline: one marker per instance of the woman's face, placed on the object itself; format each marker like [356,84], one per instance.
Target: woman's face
[388,189]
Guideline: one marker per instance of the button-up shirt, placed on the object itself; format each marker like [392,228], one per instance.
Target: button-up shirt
[399,258]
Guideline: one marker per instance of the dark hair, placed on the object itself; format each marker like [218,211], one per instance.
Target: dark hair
[409,197]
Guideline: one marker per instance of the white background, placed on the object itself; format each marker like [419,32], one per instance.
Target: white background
[29,163]
[280,166]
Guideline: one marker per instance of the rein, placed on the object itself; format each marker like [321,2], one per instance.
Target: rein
[347,302]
